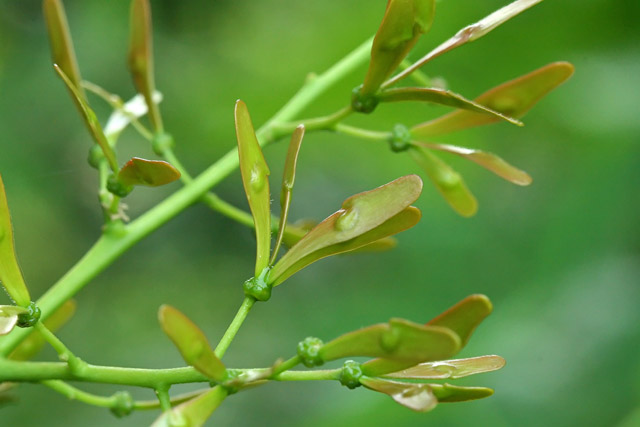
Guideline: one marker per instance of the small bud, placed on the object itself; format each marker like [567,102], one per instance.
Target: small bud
[31,317]
[123,404]
[96,155]
[161,143]
[351,374]
[308,351]
[257,288]
[400,138]
[118,188]
[363,103]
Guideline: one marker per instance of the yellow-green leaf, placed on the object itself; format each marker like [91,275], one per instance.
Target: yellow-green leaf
[255,178]
[450,369]
[451,393]
[150,173]
[191,342]
[513,98]
[465,316]
[447,181]
[194,412]
[10,274]
[417,397]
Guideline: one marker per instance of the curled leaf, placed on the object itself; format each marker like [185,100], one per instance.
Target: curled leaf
[417,397]
[447,181]
[191,342]
[465,316]
[488,161]
[150,173]
[10,274]
[9,317]
[450,369]
[451,393]
[194,412]
[255,173]
[513,98]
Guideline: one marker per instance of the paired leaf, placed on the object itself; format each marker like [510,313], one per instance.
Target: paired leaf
[447,181]
[9,317]
[451,369]
[194,412]
[513,98]
[10,274]
[417,397]
[403,23]
[135,108]
[89,118]
[488,161]
[191,342]
[255,172]
[443,97]
[359,214]
[141,57]
[450,393]
[465,316]
[150,173]
[62,51]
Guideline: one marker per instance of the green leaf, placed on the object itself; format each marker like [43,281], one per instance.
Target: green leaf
[359,214]
[443,97]
[34,342]
[255,172]
[9,317]
[513,98]
[488,161]
[288,179]
[403,23]
[140,58]
[417,397]
[447,181]
[366,241]
[89,118]
[450,393]
[194,412]
[465,316]
[62,52]
[399,340]
[451,369]
[10,274]
[150,173]
[191,342]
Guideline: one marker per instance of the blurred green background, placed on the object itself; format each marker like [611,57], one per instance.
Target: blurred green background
[559,259]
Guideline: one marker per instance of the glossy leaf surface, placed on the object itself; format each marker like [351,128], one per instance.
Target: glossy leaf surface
[450,393]
[443,97]
[359,214]
[403,23]
[191,342]
[9,317]
[451,369]
[194,412]
[465,316]
[513,98]
[488,161]
[417,397]
[150,173]
[447,181]
[10,274]
[255,173]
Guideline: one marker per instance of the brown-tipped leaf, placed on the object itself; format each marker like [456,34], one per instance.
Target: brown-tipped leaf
[10,274]
[191,342]
[194,412]
[447,181]
[150,173]
[403,23]
[513,98]
[451,393]
[417,397]
[255,178]
[359,214]
[465,316]
[9,317]
[443,97]
[451,369]
[487,160]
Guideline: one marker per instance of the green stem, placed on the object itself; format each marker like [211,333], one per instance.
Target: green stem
[74,393]
[362,133]
[155,404]
[63,352]
[322,375]
[233,328]
[164,400]
[418,76]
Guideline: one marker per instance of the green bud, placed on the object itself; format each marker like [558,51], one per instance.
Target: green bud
[351,374]
[363,103]
[123,404]
[31,317]
[308,351]
[400,138]
[161,143]
[96,155]
[118,188]
[258,287]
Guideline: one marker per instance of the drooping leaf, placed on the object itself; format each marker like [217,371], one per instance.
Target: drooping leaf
[288,179]
[394,225]
[359,214]
[10,274]
[451,369]
[513,98]
[141,57]
[62,52]
[136,107]
[465,316]
[447,181]
[191,342]
[194,412]
[488,161]
[417,397]
[451,393]
[255,173]
[443,97]
[34,342]
[150,173]
[90,119]
[9,317]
